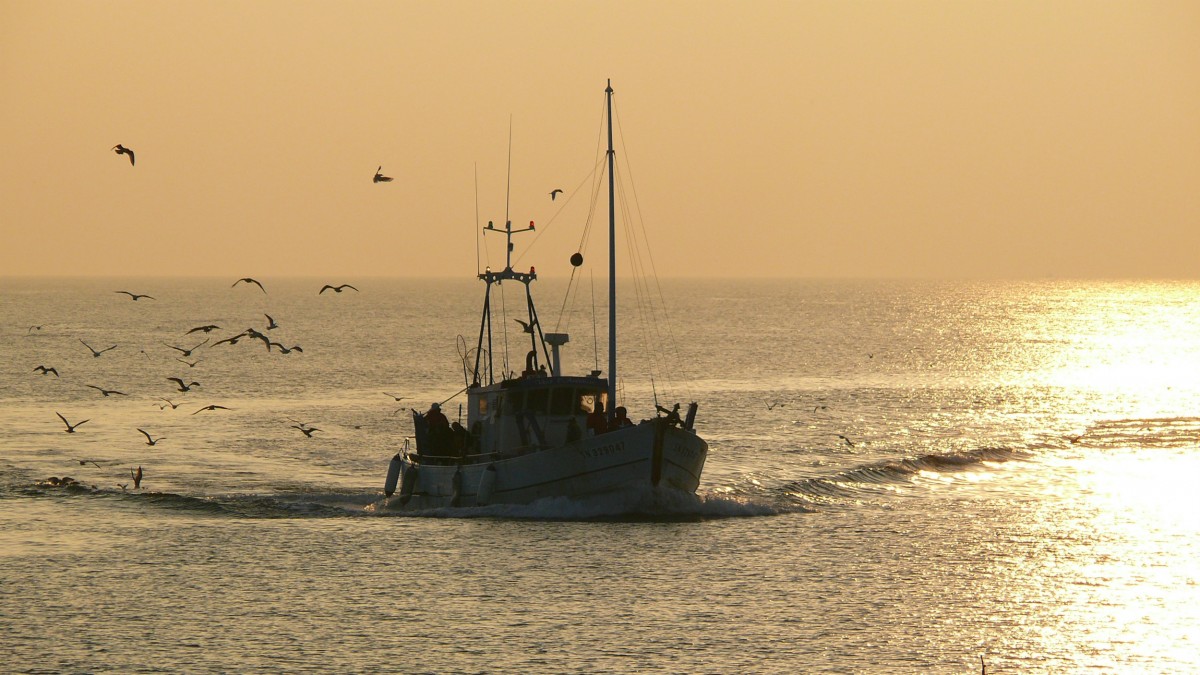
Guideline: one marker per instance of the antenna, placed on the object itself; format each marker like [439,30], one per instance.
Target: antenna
[508,187]
[478,236]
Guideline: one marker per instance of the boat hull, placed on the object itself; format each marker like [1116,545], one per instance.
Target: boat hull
[651,454]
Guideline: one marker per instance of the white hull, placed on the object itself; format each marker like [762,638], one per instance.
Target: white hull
[631,458]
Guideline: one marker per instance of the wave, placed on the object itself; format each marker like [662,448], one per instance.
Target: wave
[889,473]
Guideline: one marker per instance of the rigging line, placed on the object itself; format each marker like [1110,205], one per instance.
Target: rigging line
[671,338]
[595,333]
[645,318]
[504,326]
[539,232]
[566,296]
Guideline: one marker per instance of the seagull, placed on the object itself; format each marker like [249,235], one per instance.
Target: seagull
[137,478]
[848,441]
[106,392]
[1074,439]
[171,403]
[210,407]
[248,280]
[70,427]
[776,404]
[191,364]
[527,327]
[149,440]
[284,350]
[271,325]
[182,387]
[85,462]
[187,352]
[96,354]
[46,371]
[231,340]
[206,329]
[135,296]
[308,431]
[336,289]
[122,150]
[554,193]
[397,398]
[379,177]
[32,328]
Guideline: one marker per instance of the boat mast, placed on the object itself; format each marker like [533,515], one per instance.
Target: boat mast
[612,264]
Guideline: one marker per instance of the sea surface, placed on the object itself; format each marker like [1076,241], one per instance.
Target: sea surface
[904,477]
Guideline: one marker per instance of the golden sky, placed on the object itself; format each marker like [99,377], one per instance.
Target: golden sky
[811,139]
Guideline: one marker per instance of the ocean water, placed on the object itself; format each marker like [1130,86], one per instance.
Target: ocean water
[903,477]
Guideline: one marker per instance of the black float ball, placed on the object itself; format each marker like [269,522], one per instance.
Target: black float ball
[576,259]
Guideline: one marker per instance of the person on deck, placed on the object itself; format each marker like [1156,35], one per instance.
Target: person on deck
[438,428]
[620,419]
[597,423]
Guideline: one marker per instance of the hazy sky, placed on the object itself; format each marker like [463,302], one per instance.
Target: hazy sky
[825,139]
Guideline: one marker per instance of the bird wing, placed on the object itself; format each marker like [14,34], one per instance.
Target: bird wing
[325,288]
[175,379]
[108,349]
[260,286]
[146,434]
[63,419]
[132,159]
[349,286]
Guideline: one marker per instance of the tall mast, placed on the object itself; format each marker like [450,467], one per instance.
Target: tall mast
[612,263]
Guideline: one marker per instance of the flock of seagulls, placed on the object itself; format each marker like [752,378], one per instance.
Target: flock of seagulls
[182,385]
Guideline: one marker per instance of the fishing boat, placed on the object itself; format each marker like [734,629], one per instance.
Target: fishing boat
[541,433]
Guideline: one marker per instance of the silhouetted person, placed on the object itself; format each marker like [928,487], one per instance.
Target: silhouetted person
[597,423]
[620,419]
[439,430]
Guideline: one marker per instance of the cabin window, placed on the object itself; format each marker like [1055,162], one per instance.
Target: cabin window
[560,401]
[536,403]
[482,406]
[587,403]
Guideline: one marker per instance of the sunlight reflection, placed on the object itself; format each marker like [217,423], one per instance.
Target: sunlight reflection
[1126,555]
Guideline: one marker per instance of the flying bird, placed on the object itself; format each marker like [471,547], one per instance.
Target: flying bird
[248,280]
[271,325]
[210,407]
[397,398]
[307,431]
[106,392]
[169,402]
[205,329]
[848,441]
[70,427]
[187,352]
[284,350]
[336,289]
[379,177]
[85,462]
[96,354]
[191,364]
[32,328]
[137,478]
[46,371]
[554,193]
[150,440]
[135,296]
[182,387]
[122,150]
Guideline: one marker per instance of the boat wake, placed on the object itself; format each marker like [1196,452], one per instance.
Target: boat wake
[649,505]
